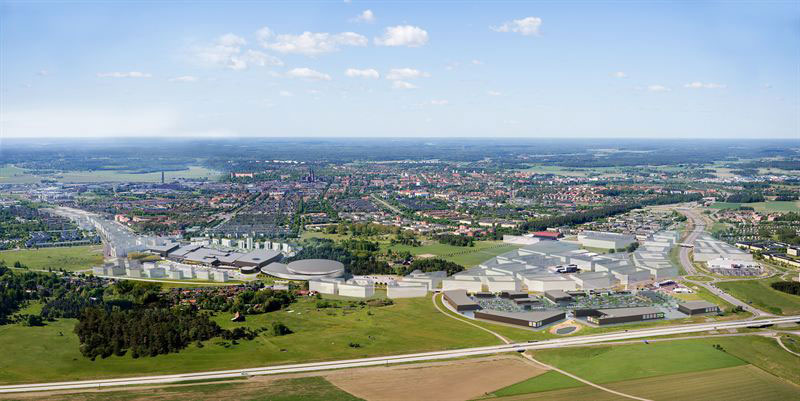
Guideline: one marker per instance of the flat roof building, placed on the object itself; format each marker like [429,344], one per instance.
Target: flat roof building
[698,307]
[620,315]
[527,319]
[558,296]
[460,301]
[305,269]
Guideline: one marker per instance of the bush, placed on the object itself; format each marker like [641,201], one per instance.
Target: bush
[280,329]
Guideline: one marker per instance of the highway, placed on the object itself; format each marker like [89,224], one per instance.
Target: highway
[386,360]
[697,230]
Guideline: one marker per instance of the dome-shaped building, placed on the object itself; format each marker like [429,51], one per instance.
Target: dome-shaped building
[305,269]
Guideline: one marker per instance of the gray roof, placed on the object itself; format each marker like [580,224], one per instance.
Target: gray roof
[259,256]
[315,266]
[459,297]
[620,312]
[698,304]
[536,316]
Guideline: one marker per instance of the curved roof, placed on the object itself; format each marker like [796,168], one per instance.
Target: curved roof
[315,267]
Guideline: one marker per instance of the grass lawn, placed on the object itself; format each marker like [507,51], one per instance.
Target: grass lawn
[698,278]
[467,256]
[605,364]
[762,296]
[40,354]
[68,258]
[791,341]
[771,206]
[297,389]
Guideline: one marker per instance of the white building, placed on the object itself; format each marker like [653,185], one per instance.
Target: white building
[406,290]
[605,240]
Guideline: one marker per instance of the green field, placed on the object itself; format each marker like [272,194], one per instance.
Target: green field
[13,175]
[739,383]
[298,389]
[463,255]
[410,325]
[605,364]
[68,258]
[773,206]
[750,367]
[467,256]
[547,381]
[762,296]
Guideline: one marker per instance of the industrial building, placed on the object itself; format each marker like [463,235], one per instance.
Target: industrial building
[306,269]
[605,240]
[459,300]
[603,317]
[527,319]
[698,307]
[402,289]
[357,288]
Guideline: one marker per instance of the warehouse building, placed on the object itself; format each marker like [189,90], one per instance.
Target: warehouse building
[527,319]
[603,317]
[558,296]
[459,300]
[605,240]
[403,289]
[698,307]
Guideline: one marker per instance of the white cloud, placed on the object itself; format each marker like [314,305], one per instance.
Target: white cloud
[365,73]
[184,78]
[43,73]
[619,74]
[309,43]
[227,51]
[493,93]
[286,93]
[403,85]
[403,35]
[307,73]
[261,59]
[658,88]
[367,16]
[476,62]
[704,85]
[406,73]
[118,74]
[526,26]
[439,102]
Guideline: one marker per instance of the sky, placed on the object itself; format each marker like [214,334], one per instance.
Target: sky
[638,69]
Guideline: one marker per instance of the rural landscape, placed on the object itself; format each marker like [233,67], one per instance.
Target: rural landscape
[344,201]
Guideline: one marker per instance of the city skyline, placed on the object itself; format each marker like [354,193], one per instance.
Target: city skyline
[366,69]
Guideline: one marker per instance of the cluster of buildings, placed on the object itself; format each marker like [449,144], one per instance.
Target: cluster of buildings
[132,268]
[725,259]
[564,265]
[461,302]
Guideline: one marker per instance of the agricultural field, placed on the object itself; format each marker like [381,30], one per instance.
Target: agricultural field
[762,296]
[738,383]
[51,352]
[764,207]
[72,258]
[14,175]
[750,367]
[260,388]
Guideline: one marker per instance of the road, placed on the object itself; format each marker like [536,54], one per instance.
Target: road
[395,359]
[698,229]
[387,205]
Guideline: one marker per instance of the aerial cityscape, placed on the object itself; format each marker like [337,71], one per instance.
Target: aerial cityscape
[353,200]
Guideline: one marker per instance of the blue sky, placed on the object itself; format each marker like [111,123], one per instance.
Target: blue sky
[400,69]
